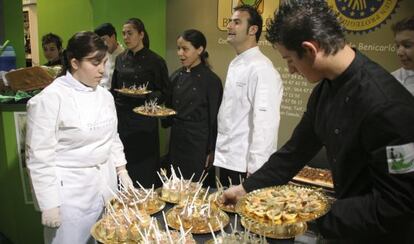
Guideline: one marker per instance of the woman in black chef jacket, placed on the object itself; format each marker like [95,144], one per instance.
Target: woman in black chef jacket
[196,94]
[138,65]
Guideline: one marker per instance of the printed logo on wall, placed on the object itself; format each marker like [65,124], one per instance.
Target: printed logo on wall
[362,16]
[225,9]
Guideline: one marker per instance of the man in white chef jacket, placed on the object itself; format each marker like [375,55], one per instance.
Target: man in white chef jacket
[249,115]
[108,34]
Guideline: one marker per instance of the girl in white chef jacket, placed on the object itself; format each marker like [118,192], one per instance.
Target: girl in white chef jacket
[73,149]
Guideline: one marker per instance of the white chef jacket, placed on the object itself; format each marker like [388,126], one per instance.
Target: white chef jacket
[249,115]
[72,144]
[406,77]
[106,81]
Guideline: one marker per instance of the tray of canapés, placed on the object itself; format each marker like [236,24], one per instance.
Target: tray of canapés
[282,209]
[147,200]
[134,90]
[176,189]
[121,225]
[236,236]
[197,215]
[152,109]
[147,232]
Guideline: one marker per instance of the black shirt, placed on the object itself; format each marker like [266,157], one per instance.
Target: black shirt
[196,96]
[356,116]
[138,69]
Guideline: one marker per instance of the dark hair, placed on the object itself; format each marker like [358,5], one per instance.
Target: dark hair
[105,29]
[254,19]
[81,45]
[297,21]
[52,38]
[139,26]
[404,24]
[197,39]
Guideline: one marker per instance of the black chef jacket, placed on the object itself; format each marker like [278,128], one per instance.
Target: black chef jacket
[356,116]
[139,133]
[196,96]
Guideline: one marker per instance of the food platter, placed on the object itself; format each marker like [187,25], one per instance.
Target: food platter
[218,220]
[238,237]
[133,92]
[286,231]
[315,176]
[174,197]
[279,207]
[158,112]
[100,235]
[150,206]
[216,200]
[285,204]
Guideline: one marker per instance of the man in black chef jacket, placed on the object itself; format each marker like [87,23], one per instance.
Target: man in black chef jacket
[361,114]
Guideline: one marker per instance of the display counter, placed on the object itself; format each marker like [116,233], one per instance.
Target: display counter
[19,221]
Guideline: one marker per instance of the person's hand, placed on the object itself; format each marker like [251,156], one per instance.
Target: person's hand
[233,194]
[209,160]
[124,179]
[51,217]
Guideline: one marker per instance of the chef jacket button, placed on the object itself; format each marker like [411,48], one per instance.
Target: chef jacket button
[337,131]
[191,102]
[194,89]
[347,99]
[123,66]
[198,75]
[178,86]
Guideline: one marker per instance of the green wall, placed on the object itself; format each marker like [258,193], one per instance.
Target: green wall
[19,221]
[11,17]
[152,13]
[63,18]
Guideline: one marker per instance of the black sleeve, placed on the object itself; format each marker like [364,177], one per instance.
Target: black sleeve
[288,160]
[390,205]
[214,96]
[168,121]
[161,81]
[114,82]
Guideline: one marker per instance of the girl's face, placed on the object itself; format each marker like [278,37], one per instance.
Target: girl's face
[51,52]
[405,48]
[187,53]
[132,38]
[88,70]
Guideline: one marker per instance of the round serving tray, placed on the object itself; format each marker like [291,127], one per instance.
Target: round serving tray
[151,207]
[173,221]
[285,231]
[133,92]
[265,194]
[103,239]
[162,112]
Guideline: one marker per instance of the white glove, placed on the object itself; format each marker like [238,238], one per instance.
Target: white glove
[51,217]
[124,179]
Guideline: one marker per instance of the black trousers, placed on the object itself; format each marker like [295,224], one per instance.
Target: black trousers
[226,174]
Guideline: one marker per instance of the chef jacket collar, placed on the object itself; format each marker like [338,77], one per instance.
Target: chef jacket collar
[70,81]
[139,53]
[193,69]
[349,72]
[246,54]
